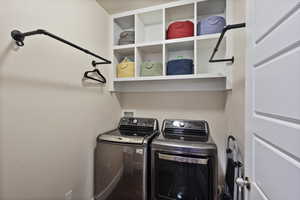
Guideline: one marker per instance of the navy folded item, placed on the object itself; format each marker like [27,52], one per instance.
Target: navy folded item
[210,25]
[180,67]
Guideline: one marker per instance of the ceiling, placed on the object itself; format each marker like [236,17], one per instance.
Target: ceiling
[116,6]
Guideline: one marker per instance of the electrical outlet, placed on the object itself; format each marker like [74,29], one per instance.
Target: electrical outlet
[128,113]
[68,195]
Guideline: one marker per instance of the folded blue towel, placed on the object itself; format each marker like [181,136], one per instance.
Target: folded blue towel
[180,67]
[210,25]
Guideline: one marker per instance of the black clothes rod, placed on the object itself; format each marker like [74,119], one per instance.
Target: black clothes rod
[225,29]
[19,37]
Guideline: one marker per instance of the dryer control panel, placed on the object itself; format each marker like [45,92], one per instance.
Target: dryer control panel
[186,129]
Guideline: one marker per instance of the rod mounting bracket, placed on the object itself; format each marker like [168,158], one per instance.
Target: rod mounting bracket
[18,37]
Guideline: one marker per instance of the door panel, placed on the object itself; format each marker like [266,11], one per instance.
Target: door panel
[277,88]
[257,194]
[273,171]
[276,131]
[280,40]
[266,22]
[272,156]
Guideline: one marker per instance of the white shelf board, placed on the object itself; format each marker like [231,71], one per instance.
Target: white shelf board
[199,82]
[170,41]
[127,46]
[177,40]
[174,77]
[208,36]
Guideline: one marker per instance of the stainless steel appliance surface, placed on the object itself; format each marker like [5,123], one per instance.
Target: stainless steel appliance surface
[122,160]
[184,162]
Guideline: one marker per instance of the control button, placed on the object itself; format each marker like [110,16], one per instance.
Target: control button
[181,124]
[135,121]
[176,123]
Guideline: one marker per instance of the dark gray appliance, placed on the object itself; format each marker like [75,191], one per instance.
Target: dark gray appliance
[121,166]
[184,162]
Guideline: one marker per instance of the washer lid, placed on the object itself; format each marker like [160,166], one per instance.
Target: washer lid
[132,131]
[118,137]
[121,139]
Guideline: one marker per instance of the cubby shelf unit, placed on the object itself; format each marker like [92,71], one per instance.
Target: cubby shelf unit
[150,25]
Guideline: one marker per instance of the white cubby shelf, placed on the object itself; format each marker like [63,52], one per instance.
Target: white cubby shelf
[150,26]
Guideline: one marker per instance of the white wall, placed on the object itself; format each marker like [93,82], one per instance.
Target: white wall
[208,106]
[235,102]
[48,121]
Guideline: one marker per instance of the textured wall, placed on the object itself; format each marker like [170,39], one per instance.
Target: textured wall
[48,121]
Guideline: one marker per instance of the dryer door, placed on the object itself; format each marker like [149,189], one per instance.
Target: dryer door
[182,177]
[119,172]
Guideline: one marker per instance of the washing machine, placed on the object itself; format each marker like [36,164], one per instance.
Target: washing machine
[184,162]
[122,160]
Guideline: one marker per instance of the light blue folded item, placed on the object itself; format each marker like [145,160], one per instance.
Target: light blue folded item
[211,25]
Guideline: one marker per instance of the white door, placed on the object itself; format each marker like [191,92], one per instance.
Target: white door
[273,100]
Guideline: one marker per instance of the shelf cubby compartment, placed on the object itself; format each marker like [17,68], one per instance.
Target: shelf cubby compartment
[120,54]
[204,51]
[153,53]
[151,45]
[210,8]
[121,24]
[179,13]
[149,27]
[179,50]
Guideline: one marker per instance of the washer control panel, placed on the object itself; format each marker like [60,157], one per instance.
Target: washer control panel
[133,122]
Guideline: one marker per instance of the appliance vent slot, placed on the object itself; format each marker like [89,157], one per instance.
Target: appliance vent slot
[193,132]
[136,128]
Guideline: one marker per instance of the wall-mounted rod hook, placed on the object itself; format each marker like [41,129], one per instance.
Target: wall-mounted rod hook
[94,63]
[225,29]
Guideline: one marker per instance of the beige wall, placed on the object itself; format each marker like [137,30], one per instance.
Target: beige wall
[48,121]
[235,102]
[209,106]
